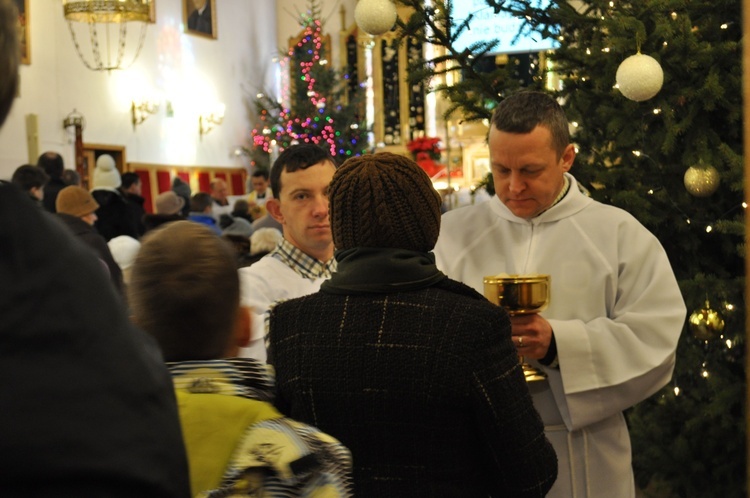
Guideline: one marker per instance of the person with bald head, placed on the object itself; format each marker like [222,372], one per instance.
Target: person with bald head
[219,198]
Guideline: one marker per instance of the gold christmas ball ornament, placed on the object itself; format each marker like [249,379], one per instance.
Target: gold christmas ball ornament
[701,181]
[375,17]
[705,323]
[639,77]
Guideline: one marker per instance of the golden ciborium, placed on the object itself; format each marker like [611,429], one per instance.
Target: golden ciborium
[520,295]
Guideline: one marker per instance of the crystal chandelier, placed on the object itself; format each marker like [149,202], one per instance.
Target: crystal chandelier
[106,23]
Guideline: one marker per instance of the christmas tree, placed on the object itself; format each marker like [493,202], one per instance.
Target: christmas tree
[674,161]
[319,105]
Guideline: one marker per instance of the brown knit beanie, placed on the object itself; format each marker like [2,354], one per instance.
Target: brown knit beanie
[383,200]
[75,201]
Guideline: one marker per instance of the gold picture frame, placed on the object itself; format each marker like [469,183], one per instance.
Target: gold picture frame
[23,30]
[199,17]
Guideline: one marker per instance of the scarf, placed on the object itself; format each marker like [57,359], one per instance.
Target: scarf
[363,270]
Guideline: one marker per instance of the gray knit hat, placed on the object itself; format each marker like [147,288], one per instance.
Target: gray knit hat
[383,200]
[181,188]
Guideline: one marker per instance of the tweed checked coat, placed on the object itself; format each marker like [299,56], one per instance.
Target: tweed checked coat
[424,388]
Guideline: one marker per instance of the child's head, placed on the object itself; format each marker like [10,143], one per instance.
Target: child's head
[184,290]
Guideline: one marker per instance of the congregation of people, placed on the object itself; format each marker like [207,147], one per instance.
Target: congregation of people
[325,335]
[113,211]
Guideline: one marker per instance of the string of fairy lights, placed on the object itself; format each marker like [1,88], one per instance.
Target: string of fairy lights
[640,78]
[317,129]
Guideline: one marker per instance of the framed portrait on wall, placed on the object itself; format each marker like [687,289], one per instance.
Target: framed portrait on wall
[23,30]
[200,17]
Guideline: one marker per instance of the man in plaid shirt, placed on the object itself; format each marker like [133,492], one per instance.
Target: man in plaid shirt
[304,258]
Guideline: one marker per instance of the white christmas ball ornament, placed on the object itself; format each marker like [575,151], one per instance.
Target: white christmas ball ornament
[639,77]
[375,17]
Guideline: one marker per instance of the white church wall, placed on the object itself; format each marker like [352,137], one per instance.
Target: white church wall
[193,73]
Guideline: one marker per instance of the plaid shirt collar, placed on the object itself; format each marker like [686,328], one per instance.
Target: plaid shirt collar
[304,265]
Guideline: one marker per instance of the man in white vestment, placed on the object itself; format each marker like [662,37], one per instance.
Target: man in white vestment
[304,258]
[607,340]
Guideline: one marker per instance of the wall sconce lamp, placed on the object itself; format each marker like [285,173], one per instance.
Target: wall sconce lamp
[142,110]
[206,122]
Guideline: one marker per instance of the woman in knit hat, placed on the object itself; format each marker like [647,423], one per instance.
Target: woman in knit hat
[114,216]
[415,373]
[76,207]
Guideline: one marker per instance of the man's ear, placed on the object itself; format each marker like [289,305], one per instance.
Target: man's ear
[242,332]
[274,209]
[568,156]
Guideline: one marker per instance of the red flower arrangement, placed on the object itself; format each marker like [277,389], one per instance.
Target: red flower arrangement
[430,145]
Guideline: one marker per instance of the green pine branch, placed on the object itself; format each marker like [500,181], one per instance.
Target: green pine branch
[688,439]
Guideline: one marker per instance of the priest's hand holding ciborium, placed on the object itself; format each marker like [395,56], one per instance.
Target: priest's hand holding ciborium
[520,295]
